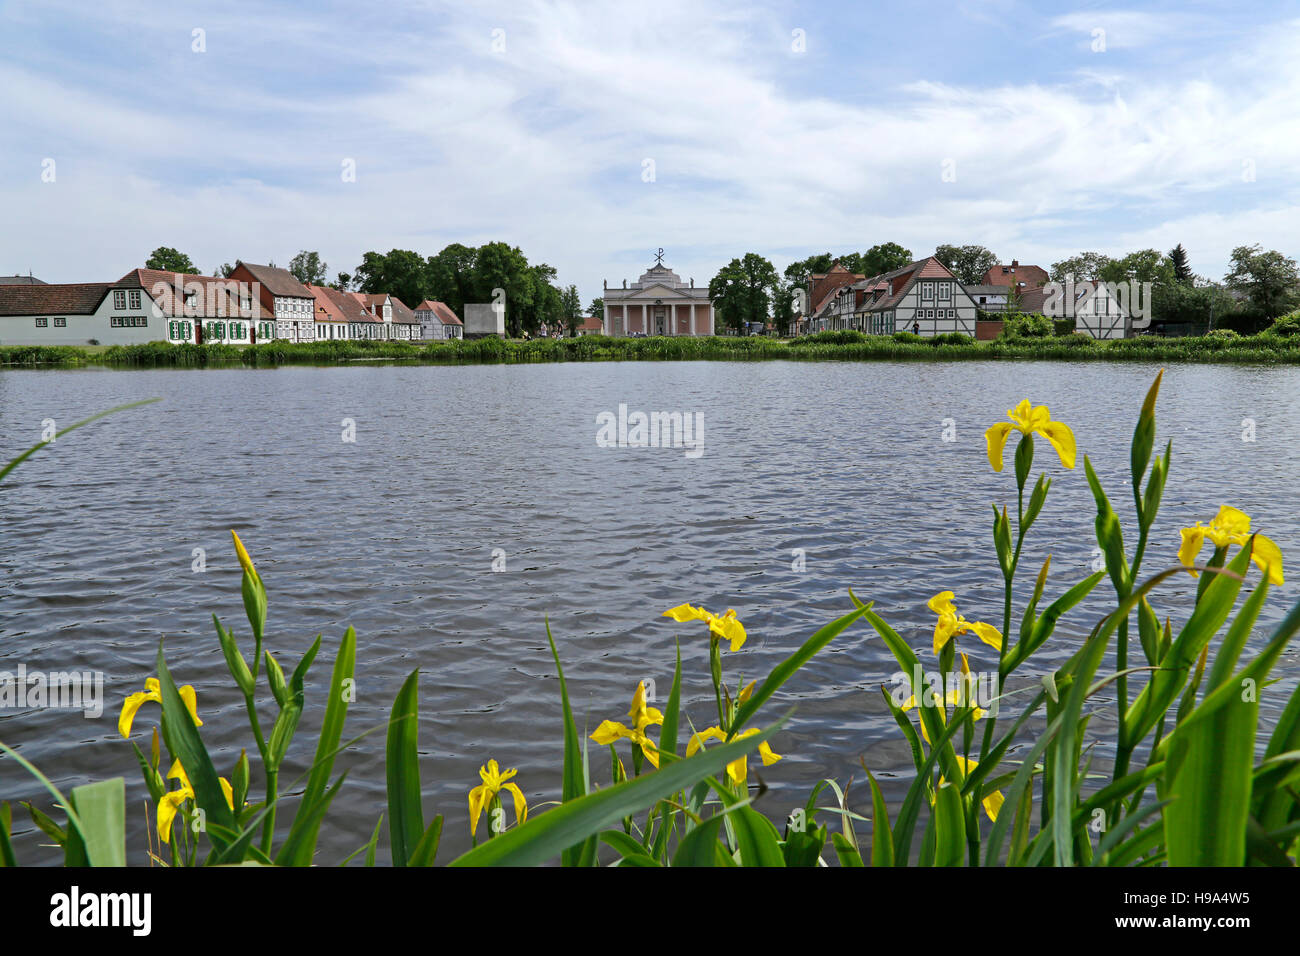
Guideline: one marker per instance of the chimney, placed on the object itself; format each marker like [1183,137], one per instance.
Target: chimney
[1014,263]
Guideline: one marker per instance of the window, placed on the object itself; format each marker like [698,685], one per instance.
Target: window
[927,291]
[128,322]
[60,323]
[135,301]
[119,301]
[945,291]
[42,323]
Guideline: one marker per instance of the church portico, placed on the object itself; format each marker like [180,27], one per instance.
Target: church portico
[658,303]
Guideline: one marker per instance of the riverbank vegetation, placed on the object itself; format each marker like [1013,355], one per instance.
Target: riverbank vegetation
[1279,344]
[1010,768]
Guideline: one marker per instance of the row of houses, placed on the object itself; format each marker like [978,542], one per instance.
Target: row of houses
[255,303]
[925,297]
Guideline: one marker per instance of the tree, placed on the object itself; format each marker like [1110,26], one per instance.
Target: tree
[167,259]
[597,307]
[571,308]
[1268,280]
[883,258]
[1178,257]
[1145,265]
[1086,266]
[498,265]
[967,263]
[742,290]
[451,276]
[343,282]
[308,269]
[798,273]
[400,272]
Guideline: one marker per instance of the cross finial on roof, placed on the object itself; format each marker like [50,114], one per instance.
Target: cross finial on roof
[659,256]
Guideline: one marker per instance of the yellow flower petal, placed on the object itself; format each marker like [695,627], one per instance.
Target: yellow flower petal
[130,706]
[1021,414]
[1062,439]
[521,805]
[685,612]
[728,628]
[993,803]
[944,629]
[1268,556]
[1193,541]
[478,798]
[1232,521]
[190,699]
[768,755]
[697,739]
[941,603]
[987,633]
[167,808]
[610,731]
[996,440]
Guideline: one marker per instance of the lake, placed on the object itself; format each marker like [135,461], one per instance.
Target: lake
[453,469]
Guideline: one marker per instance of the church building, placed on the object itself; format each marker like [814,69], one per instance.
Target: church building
[658,303]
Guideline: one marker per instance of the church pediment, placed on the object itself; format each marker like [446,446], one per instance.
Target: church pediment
[657,291]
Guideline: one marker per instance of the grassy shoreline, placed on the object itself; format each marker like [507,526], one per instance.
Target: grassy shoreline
[826,346]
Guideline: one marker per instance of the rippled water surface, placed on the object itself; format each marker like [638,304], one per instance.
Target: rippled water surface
[395,534]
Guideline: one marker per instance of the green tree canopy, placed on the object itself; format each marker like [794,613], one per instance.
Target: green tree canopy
[1086,266]
[168,259]
[400,272]
[1268,280]
[308,269]
[742,290]
[967,263]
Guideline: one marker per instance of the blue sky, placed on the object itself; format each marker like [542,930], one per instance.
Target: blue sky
[784,129]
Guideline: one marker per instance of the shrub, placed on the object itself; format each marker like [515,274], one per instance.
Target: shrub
[1027,325]
[952,338]
[1284,326]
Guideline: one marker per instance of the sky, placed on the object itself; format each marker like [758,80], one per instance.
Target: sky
[592,134]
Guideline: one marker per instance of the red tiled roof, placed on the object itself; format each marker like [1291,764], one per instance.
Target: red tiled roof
[591,323]
[277,281]
[441,310]
[220,296]
[373,303]
[78,298]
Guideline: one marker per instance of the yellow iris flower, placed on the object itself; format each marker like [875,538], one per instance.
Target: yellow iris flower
[958,696]
[153,692]
[494,781]
[1028,419]
[724,626]
[171,802]
[993,802]
[642,717]
[738,769]
[951,624]
[1231,526]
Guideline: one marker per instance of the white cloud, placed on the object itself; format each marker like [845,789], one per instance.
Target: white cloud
[542,145]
